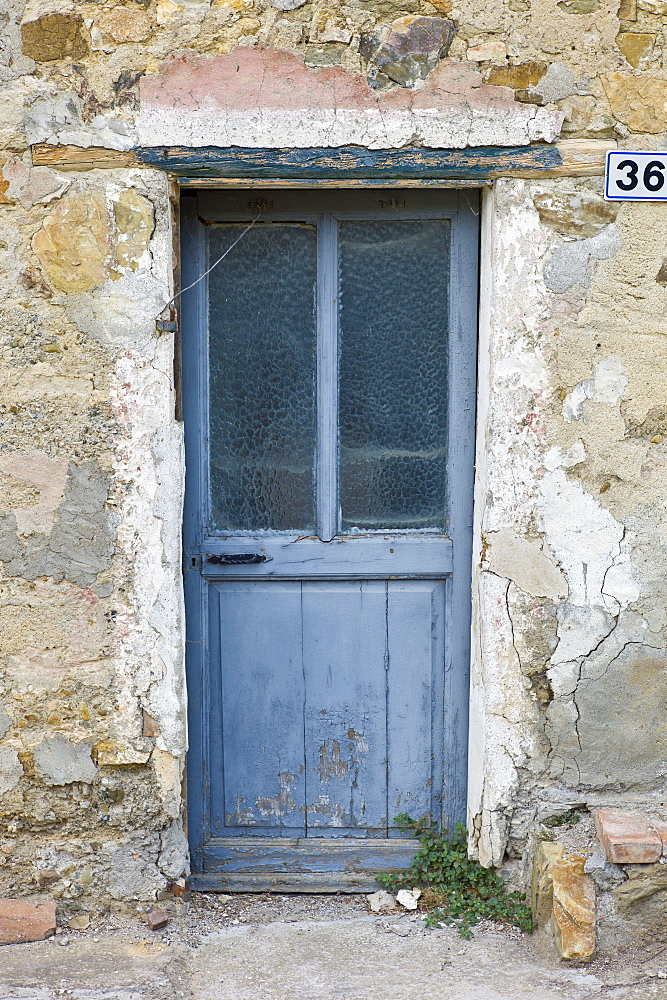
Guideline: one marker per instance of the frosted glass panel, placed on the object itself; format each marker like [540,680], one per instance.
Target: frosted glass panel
[394,304]
[262,349]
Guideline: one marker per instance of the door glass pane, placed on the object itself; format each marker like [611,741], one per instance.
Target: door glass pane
[394,305]
[262,351]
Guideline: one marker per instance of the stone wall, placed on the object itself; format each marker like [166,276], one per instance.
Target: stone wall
[93,701]
[570,625]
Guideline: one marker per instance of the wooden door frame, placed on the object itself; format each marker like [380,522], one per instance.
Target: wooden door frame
[462,443]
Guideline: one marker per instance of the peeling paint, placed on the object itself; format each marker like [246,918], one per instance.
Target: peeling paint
[331,765]
[281,803]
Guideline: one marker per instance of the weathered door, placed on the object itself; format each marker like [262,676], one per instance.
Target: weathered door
[329,369]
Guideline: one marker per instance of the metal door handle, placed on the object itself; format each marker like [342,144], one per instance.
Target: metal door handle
[236,558]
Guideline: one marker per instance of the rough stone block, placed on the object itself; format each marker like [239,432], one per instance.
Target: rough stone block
[73,243]
[541,900]
[635,45]
[26,920]
[640,102]
[573,918]
[408,50]
[605,874]
[519,77]
[627,837]
[124,25]
[378,902]
[46,878]
[111,753]
[643,883]
[575,212]
[135,222]
[487,52]
[54,36]
[627,10]
[287,4]
[657,7]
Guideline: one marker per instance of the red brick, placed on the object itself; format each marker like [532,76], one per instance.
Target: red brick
[628,838]
[157,919]
[661,830]
[26,920]
[180,888]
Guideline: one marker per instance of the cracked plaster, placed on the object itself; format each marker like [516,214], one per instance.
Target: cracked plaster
[259,98]
[570,711]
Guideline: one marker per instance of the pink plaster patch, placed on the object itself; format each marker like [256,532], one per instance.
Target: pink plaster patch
[48,476]
[263,78]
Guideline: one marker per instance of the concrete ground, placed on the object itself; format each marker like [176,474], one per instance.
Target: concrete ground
[311,948]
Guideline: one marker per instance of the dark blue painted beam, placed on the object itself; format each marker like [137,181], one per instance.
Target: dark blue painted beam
[349,163]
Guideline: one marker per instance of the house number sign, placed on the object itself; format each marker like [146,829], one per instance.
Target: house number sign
[635,176]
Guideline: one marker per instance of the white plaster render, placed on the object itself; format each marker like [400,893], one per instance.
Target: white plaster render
[524,561]
[606,385]
[587,541]
[556,459]
[152,466]
[511,395]
[121,312]
[594,553]
[453,128]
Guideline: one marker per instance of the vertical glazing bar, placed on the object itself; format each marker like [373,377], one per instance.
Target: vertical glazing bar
[327,379]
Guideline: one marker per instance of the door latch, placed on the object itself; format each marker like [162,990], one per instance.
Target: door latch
[236,558]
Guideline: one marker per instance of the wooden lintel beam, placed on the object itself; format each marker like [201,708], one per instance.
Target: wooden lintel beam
[80,157]
[347,165]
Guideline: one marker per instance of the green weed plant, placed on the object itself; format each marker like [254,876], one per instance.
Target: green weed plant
[455,888]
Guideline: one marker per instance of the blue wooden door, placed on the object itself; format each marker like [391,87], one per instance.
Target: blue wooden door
[329,361]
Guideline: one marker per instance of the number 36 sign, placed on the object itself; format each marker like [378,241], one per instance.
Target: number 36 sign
[636,176]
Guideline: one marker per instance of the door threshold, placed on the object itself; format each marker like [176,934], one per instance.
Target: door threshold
[304,865]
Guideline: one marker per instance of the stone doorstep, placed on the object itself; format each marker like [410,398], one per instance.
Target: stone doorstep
[630,838]
[26,920]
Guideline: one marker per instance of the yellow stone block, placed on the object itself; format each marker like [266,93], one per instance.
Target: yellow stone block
[135,222]
[573,918]
[73,243]
[640,102]
[541,900]
[124,24]
[635,45]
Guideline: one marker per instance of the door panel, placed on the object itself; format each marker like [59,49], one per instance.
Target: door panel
[260,661]
[345,652]
[329,372]
[415,654]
